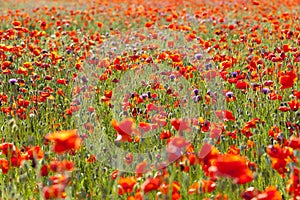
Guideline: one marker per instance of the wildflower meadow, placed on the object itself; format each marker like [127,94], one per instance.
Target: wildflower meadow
[148,99]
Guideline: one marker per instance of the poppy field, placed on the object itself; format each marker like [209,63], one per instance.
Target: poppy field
[147,99]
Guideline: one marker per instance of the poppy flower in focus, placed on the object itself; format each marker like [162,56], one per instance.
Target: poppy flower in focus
[64,140]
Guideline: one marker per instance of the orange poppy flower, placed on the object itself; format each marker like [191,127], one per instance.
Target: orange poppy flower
[145,127]
[64,140]
[137,196]
[125,185]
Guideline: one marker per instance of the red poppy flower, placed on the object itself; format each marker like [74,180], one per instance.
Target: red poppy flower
[17,23]
[54,191]
[180,125]
[44,171]
[61,81]
[164,189]
[174,148]
[280,157]
[64,140]
[141,168]
[293,185]
[207,156]
[294,104]
[178,142]
[114,174]
[151,184]
[13,154]
[294,142]
[287,80]
[124,129]
[165,134]
[4,165]
[240,173]
[225,115]
[242,85]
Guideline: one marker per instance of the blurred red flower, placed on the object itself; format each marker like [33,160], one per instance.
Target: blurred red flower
[64,140]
